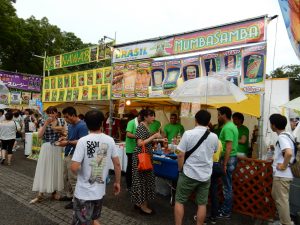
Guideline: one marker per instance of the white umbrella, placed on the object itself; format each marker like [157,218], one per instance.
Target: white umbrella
[293,104]
[208,90]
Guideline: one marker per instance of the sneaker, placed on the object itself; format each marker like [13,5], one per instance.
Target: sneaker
[2,161]
[222,215]
[212,220]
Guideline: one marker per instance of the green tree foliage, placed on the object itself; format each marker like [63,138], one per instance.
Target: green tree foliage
[20,39]
[292,72]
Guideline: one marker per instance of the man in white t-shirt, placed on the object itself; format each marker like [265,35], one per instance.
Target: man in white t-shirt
[197,169]
[90,162]
[282,174]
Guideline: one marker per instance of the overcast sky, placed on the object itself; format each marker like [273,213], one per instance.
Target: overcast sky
[134,20]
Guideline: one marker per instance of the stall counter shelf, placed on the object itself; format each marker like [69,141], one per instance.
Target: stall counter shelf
[165,166]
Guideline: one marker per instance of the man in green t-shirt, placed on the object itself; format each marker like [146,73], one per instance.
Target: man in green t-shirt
[130,146]
[243,147]
[229,138]
[155,126]
[172,129]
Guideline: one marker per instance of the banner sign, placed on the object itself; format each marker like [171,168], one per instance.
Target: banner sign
[244,67]
[224,36]
[291,14]
[238,33]
[79,57]
[253,69]
[144,50]
[21,81]
[80,86]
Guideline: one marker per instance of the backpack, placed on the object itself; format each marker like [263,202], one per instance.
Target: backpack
[295,165]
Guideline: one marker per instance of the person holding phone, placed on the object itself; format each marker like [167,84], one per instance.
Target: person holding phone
[50,160]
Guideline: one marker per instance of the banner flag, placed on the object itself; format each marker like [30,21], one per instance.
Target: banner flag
[291,14]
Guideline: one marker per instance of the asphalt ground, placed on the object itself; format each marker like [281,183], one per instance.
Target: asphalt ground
[14,212]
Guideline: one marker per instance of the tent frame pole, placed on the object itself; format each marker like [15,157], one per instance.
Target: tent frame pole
[261,126]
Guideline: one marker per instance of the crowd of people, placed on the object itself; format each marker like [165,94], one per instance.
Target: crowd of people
[204,155]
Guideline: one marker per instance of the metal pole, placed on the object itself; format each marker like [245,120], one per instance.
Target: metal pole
[261,126]
[111,103]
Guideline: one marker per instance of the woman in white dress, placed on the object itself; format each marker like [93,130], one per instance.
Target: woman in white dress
[49,170]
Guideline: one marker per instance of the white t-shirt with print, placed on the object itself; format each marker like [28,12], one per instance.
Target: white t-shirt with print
[93,152]
[284,143]
[199,165]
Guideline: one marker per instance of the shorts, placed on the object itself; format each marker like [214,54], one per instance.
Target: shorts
[8,145]
[186,186]
[85,211]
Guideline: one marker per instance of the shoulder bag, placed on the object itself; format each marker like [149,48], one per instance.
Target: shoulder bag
[188,153]
[144,158]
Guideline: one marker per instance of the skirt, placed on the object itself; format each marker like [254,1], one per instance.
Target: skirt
[49,170]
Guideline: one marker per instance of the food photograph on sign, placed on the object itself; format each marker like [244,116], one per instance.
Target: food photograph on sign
[173,70]
[107,75]
[47,96]
[81,79]
[75,94]
[211,64]
[130,76]
[36,96]
[54,96]
[89,77]
[60,82]
[143,78]
[253,68]
[117,83]
[157,75]
[26,96]
[73,80]
[104,92]
[95,93]
[4,98]
[101,52]
[61,95]
[69,95]
[67,81]
[99,76]
[57,61]
[93,53]
[53,83]
[46,83]
[85,93]
[190,68]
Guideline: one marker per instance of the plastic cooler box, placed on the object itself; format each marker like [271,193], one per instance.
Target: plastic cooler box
[165,167]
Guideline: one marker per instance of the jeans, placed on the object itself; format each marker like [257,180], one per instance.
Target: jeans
[227,185]
[216,175]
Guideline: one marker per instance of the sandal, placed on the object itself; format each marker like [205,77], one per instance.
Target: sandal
[36,200]
[55,196]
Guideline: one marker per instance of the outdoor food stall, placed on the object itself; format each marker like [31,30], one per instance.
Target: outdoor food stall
[228,59]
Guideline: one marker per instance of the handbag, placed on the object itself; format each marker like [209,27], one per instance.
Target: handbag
[145,163]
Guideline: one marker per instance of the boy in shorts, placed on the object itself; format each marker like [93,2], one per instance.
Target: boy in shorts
[90,163]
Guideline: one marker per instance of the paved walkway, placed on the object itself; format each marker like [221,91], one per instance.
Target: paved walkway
[18,186]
